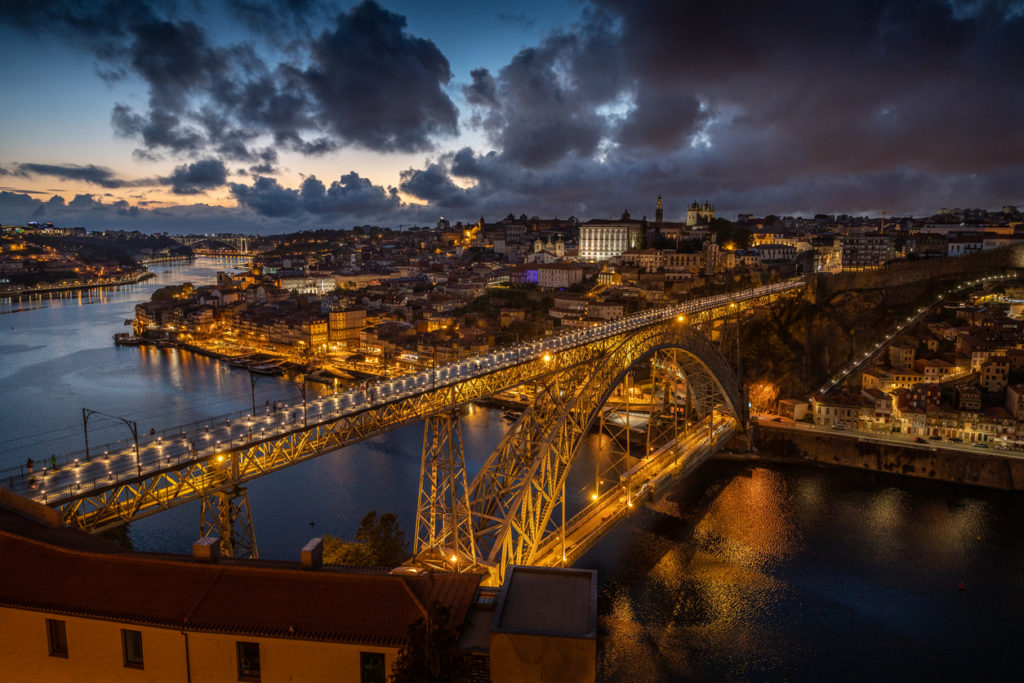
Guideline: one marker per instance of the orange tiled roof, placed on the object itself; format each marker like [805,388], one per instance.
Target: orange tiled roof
[326,605]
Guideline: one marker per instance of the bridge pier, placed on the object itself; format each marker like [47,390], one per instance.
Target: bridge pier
[444,530]
[226,514]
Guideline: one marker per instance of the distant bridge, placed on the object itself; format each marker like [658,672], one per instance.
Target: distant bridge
[241,244]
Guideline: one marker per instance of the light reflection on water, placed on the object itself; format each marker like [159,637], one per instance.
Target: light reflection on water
[802,574]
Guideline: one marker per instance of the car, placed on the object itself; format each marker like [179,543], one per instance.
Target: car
[935,437]
[776,419]
[980,445]
[956,439]
[918,439]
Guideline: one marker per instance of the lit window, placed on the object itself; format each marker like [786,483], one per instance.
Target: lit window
[57,637]
[371,667]
[131,645]
[248,661]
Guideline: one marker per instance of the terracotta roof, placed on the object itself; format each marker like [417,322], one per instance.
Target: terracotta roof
[326,605]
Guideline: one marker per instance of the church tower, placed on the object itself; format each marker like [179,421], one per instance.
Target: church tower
[658,214]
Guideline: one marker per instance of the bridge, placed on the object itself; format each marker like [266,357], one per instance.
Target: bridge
[513,511]
[242,244]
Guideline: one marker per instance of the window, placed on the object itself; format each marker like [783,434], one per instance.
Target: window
[371,667]
[57,637]
[248,661]
[131,645]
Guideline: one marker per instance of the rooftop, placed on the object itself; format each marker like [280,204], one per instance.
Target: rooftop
[59,571]
[541,601]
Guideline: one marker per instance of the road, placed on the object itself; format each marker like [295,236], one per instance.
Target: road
[903,441]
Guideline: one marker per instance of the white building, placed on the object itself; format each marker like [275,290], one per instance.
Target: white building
[603,239]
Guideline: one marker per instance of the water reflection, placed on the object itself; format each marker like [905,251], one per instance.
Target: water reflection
[802,574]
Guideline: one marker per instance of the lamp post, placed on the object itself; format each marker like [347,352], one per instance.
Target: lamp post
[301,384]
[133,426]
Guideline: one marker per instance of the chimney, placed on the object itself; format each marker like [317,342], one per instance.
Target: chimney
[313,554]
[206,549]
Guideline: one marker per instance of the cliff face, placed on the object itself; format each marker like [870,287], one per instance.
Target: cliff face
[798,345]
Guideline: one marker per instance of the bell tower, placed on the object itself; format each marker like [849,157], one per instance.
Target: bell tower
[658,213]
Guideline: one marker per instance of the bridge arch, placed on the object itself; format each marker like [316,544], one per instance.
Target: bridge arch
[512,500]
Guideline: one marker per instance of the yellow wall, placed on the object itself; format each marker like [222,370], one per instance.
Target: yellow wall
[542,659]
[94,654]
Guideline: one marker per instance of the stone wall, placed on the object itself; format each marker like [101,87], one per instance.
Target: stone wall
[920,273]
[986,468]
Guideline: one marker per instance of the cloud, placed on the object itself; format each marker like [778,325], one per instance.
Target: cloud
[482,90]
[90,173]
[376,85]
[543,106]
[192,178]
[311,96]
[351,196]
[433,184]
[198,177]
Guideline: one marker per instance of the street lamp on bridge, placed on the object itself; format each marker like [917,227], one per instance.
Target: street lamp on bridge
[131,424]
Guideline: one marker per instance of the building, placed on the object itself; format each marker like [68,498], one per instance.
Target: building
[603,239]
[699,214]
[868,250]
[558,275]
[75,608]
[544,626]
[344,325]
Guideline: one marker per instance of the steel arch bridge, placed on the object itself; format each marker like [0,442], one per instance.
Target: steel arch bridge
[570,375]
[508,514]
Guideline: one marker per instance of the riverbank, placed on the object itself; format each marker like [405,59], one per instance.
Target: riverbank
[11,292]
[167,259]
[988,469]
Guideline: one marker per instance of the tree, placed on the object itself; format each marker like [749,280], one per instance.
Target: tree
[432,652]
[384,539]
[378,543]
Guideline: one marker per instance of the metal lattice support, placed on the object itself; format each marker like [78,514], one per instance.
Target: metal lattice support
[226,514]
[444,532]
[663,420]
[514,497]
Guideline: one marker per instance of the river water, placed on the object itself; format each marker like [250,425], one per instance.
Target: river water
[742,573]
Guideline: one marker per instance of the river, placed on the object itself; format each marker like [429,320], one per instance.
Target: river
[742,573]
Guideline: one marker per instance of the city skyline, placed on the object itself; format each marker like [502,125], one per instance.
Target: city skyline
[258,116]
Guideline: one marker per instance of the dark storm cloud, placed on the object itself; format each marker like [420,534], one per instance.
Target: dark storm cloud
[198,177]
[434,185]
[284,21]
[350,195]
[376,84]
[193,178]
[482,90]
[543,106]
[790,105]
[364,82]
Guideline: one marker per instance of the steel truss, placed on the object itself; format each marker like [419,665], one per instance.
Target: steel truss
[515,496]
[227,515]
[444,532]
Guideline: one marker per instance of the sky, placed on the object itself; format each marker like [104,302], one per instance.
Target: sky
[266,116]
